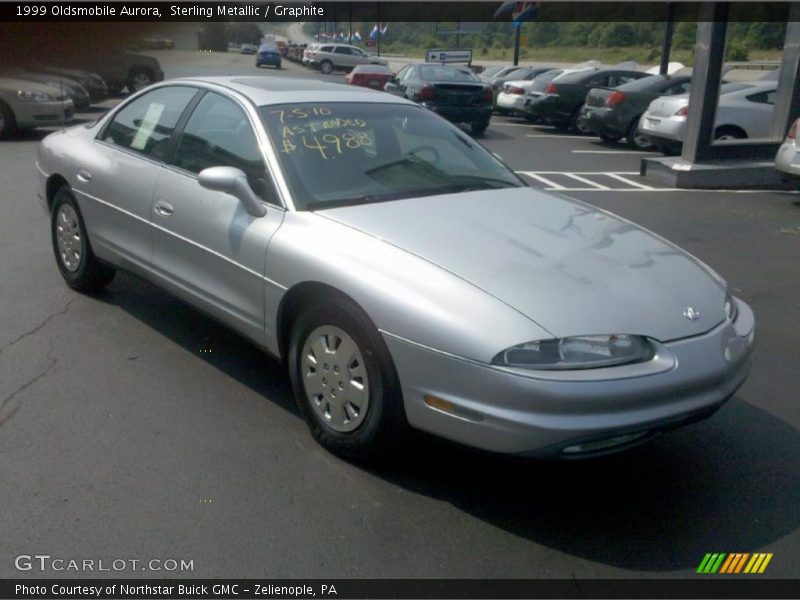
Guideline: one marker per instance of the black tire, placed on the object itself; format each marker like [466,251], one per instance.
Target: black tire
[138,79]
[8,124]
[575,124]
[385,422]
[479,127]
[729,132]
[326,67]
[609,139]
[91,275]
[637,142]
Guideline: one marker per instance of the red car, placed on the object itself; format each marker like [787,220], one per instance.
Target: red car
[372,76]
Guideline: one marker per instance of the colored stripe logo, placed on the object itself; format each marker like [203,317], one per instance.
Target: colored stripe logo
[735,562]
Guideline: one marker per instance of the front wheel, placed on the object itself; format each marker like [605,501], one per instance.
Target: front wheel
[8,124]
[326,67]
[77,263]
[344,380]
[577,125]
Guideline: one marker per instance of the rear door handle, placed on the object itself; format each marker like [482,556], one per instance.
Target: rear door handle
[164,208]
[84,175]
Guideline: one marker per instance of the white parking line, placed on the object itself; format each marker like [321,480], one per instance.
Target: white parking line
[629,182]
[552,184]
[598,186]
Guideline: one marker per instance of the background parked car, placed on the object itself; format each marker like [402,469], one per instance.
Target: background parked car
[119,69]
[372,76]
[268,54]
[28,104]
[787,160]
[330,57]
[513,74]
[563,97]
[614,114]
[72,88]
[248,49]
[94,83]
[489,72]
[744,111]
[452,91]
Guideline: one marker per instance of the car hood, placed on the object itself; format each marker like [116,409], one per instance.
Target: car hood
[570,267]
[14,83]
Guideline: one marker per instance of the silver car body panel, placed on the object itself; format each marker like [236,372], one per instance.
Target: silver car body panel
[449,281]
[734,109]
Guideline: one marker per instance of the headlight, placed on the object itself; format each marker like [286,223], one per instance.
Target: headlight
[28,96]
[730,308]
[579,352]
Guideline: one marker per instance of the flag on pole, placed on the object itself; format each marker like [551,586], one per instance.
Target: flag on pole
[357,36]
[384,28]
[520,11]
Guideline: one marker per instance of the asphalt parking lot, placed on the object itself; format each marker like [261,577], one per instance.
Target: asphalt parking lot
[132,426]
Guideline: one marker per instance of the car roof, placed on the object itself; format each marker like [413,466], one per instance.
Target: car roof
[266,90]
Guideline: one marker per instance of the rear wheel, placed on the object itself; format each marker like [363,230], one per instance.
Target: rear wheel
[609,139]
[577,125]
[636,139]
[729,132]
[74,257]
[326,67]
[344,380]
[139,79]
[8,124]
[479,127]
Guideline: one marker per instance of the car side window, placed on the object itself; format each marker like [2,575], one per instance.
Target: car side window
[680,88]
[146,124]
[218,134]
[623,78]
[602,81]
[409,74]
[326,49]
[342,50]
[763,98]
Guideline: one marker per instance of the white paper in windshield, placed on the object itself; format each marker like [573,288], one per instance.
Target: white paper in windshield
[147,127]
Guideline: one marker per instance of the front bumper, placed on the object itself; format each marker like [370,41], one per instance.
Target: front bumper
[461,114]
[544,413]
[41,114]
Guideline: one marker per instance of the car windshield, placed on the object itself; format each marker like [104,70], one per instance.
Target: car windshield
[446,73]
[339,154]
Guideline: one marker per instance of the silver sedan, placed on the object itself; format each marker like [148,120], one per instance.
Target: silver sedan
[405,275]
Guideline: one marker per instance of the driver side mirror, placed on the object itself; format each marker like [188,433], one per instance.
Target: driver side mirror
[233,181]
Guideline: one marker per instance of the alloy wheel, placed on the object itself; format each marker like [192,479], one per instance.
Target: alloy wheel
[335,378]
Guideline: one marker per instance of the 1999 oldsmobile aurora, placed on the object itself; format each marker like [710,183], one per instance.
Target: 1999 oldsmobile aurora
[404,274]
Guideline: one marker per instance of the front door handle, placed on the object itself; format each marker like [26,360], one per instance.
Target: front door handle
[164,208]
[83,175]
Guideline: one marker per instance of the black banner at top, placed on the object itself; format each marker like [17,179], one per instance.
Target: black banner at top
[388,11]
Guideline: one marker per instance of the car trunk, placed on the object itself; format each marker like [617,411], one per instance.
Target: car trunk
[458,94]
[598,96]
[666,107]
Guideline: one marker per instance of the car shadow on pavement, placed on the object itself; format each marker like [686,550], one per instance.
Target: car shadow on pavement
[728,484]
[232,354]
